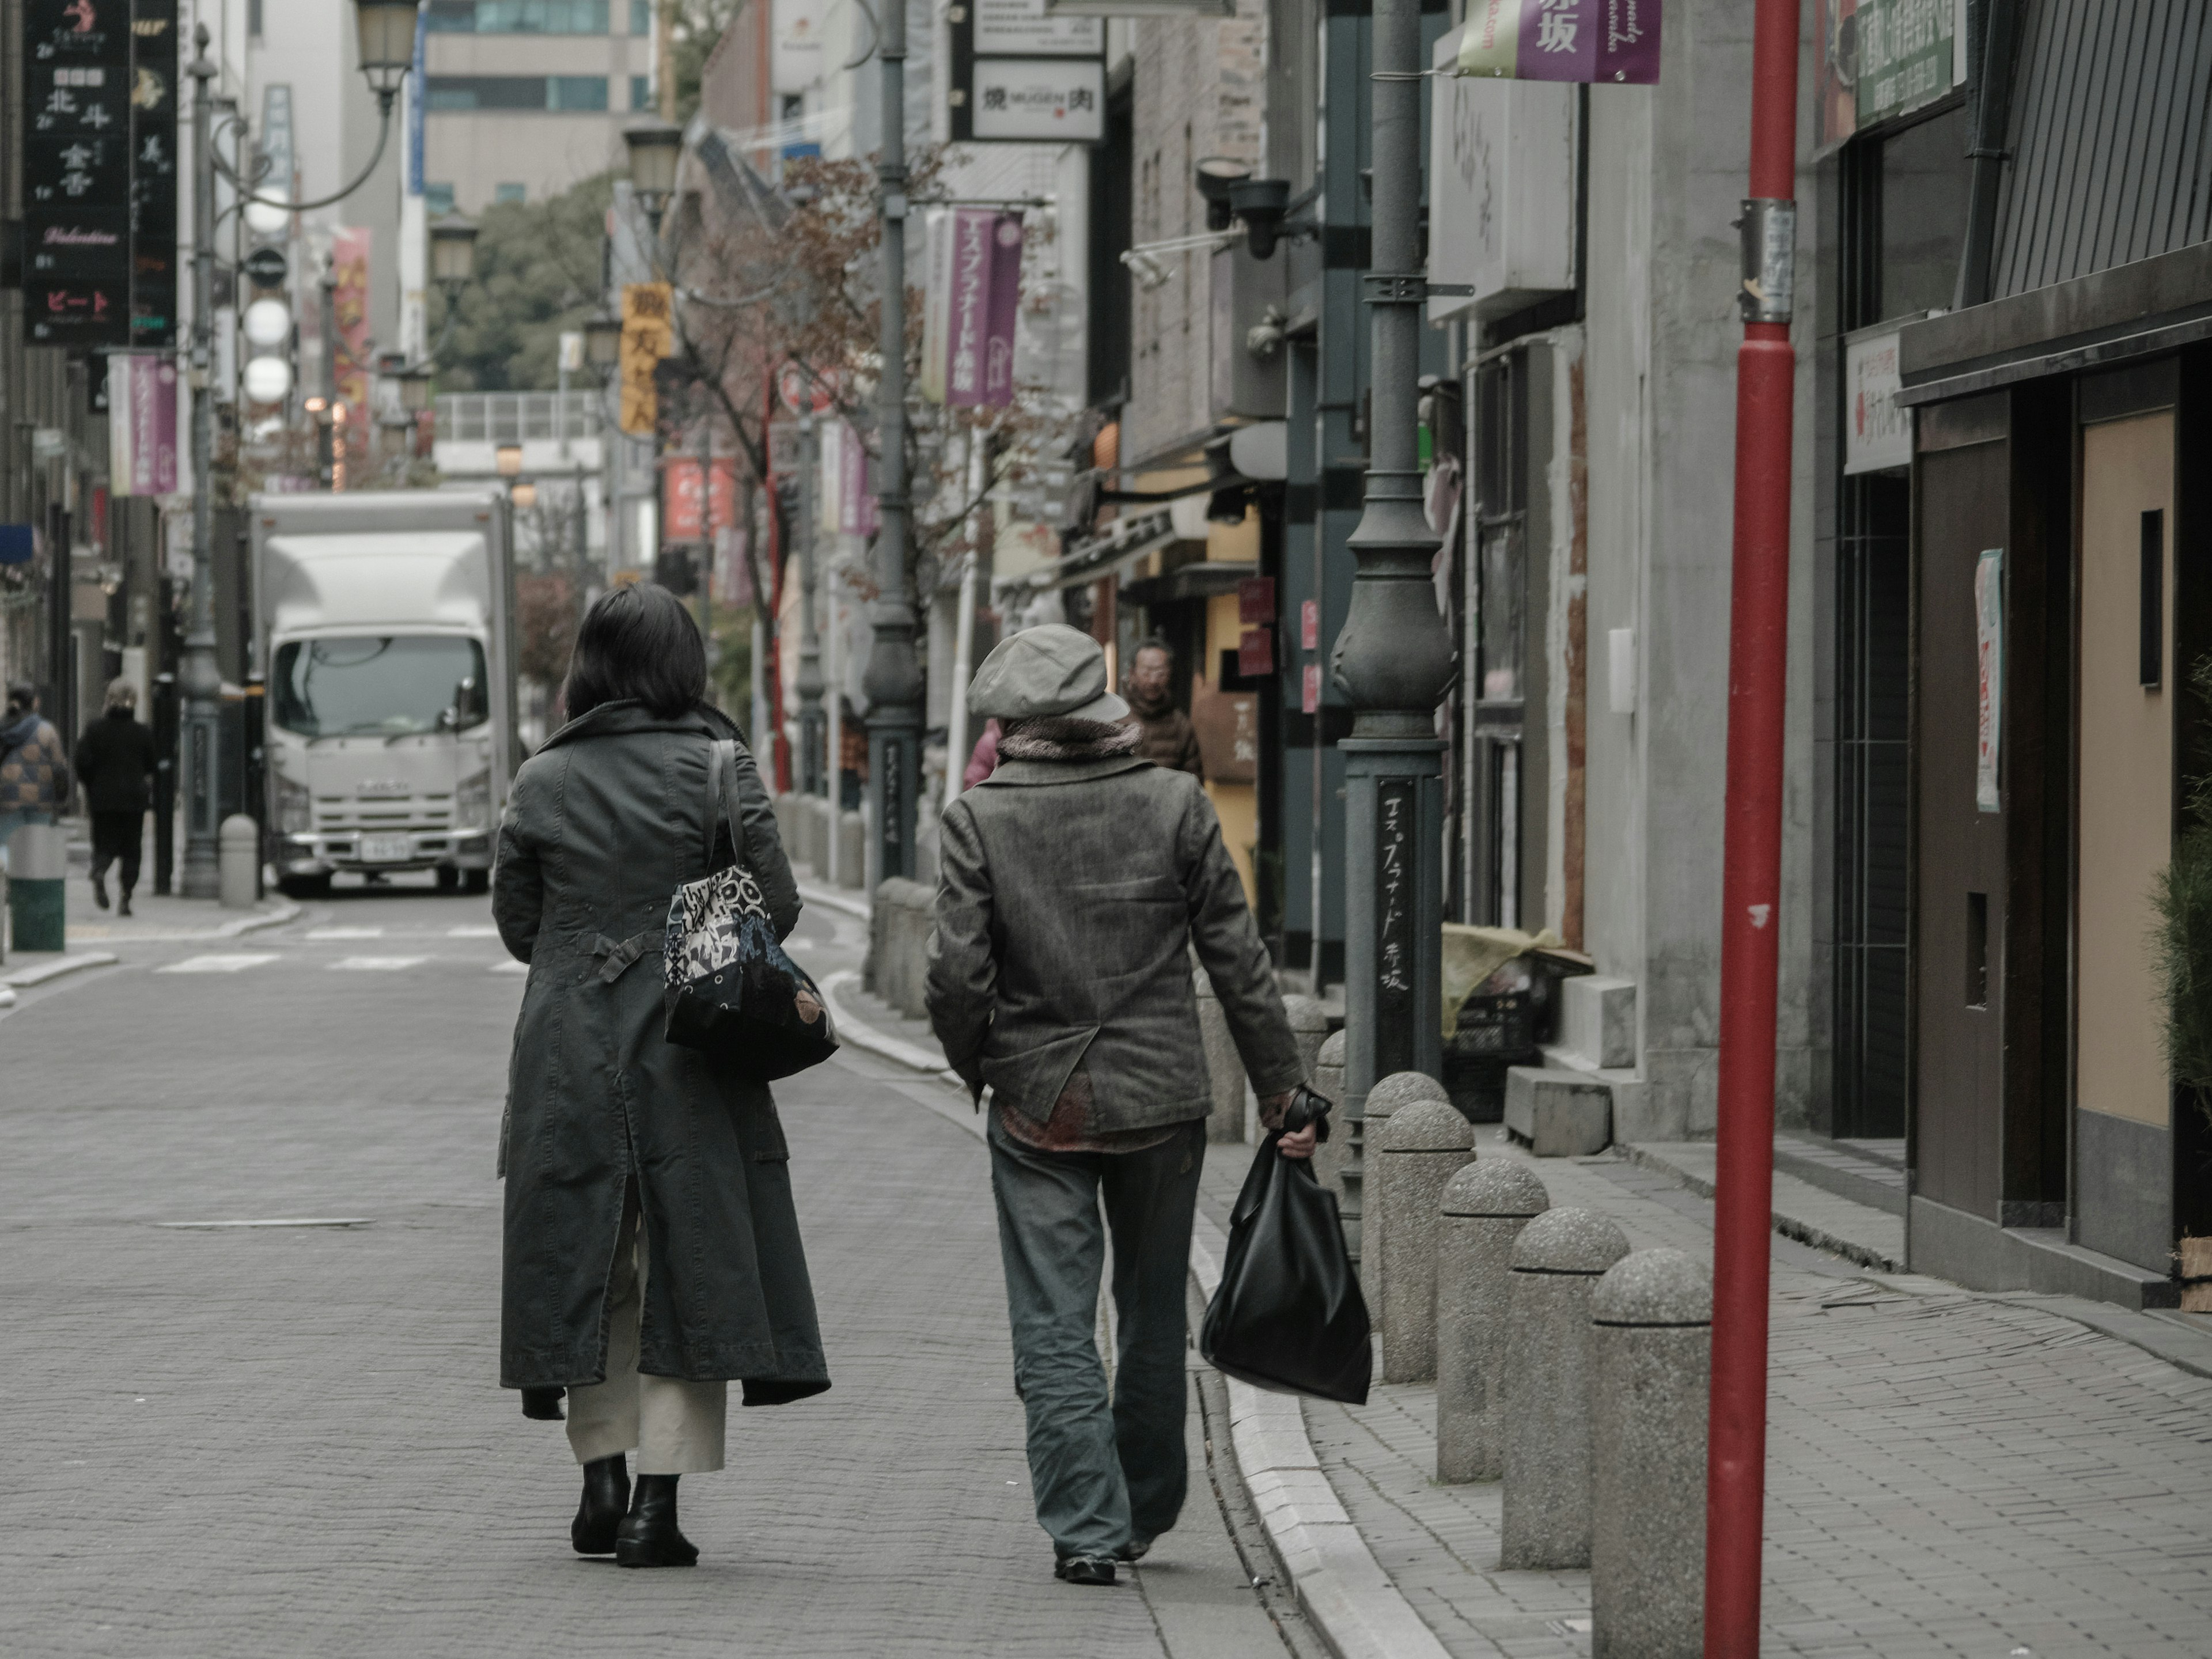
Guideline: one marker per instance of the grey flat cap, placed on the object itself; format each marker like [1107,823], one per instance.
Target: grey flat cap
[1050,670]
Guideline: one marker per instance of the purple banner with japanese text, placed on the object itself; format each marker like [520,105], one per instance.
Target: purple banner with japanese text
[1591,40]
[985,277]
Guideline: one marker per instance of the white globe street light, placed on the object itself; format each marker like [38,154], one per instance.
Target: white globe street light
[268,324]
[267,380]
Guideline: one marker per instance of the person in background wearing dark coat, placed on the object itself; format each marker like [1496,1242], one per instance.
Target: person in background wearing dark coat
[1075,882]
[1166,735]
[652,1247]
[115,764]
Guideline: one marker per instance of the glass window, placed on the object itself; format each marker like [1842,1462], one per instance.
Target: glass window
[541,17]
[641,17]
[640,92]
[450,17]
[396,686]
[437,200]
[509,193]
[576,92]
[1924,174]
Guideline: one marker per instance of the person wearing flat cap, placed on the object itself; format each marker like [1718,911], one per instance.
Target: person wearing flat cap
[1075,881]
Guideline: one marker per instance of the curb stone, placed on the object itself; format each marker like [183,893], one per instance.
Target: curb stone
[830,899]
[857,1031]
[1360,1614]
[40,973]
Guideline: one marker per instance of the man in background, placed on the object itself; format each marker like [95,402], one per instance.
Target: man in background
[115,763]
[1166,735]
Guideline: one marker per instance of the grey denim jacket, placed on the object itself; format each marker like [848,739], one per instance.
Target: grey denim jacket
[1070,896]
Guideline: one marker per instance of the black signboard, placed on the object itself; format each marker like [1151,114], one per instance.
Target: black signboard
[265,266]
[1396,812]
[153,98]
[76,173]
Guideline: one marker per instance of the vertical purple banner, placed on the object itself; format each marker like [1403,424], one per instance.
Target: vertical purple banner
[1005,307]
[858,512]
[141,401]
[968,308]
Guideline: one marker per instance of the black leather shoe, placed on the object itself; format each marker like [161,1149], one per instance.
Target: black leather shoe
[648,1536]
[607,1497]
[99,892]
[1084,1570]
[1134,1550]
[122,905]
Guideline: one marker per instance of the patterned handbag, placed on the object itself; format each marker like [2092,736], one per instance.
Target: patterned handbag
[731,991]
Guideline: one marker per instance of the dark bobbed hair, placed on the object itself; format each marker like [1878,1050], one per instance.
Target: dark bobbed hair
[1152,642]
[636,642]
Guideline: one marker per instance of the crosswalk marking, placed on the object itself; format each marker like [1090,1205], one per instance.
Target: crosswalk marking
[377,964]
[473,930]
[345,932]
[219,963]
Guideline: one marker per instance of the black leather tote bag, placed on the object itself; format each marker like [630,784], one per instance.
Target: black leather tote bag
[730,992]
[1288,1315]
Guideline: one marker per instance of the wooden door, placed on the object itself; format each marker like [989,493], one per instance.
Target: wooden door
[1962,496]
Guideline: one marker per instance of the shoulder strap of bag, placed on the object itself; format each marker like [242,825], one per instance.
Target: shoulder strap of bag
[721,800]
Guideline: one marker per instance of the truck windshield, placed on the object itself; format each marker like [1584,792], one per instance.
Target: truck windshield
[398,685]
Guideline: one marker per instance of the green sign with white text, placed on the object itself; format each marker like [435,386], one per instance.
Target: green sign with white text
[1909,54]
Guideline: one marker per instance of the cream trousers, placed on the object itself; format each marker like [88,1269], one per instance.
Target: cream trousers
[675,1427]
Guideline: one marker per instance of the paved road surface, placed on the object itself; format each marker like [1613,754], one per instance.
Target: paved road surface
[291,1440]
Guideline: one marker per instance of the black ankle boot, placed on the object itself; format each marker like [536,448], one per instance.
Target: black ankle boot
[607,1497]
[648,1536]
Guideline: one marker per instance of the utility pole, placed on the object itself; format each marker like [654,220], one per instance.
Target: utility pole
[815,775]
[893,679]
[1751,871]
[1394,658]
[199,680]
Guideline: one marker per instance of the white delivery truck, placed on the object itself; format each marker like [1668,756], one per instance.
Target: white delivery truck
[386,627]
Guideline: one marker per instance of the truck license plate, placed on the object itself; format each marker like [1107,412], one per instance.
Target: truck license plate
[385,849]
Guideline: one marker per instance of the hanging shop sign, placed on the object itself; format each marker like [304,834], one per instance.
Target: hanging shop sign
[76,149]
[795,45]
[1877,429]
[1502,191]
[141,424]
[1592,40]
[679,482]
[155,268]
[1022,74]
[1989,675]
[647,335]
[1878,59]
[349,248]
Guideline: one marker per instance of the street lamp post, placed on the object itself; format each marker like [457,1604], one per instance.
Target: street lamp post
[893,680]
[1393,659]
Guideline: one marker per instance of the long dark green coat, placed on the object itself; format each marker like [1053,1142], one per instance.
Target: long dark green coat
[606,821]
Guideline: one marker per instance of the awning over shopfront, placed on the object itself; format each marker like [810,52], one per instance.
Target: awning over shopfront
[1090,557]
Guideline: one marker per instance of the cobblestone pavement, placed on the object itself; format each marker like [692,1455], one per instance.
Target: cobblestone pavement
[1946,1474]
[289,1440]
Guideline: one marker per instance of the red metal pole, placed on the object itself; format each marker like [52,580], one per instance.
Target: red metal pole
[1750,890]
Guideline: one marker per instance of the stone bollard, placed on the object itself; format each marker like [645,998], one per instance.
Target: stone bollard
[1224,1067]
[1332,1154]
[1309,1029]
[1652,1327]
[1485,1208]
[1548,1396]
[1419,1150]
[38,874]
[238,850]
[1388,1094]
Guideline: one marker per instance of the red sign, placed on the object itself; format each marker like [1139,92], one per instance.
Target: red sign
[1255,600]
[1309,626]
[1310,704]
[680,490]
[1256,652]
[798,387]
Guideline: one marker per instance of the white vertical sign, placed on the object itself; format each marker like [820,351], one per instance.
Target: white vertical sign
[1989,675]
[1877,430]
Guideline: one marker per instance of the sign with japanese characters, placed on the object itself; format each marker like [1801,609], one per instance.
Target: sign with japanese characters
[141,424]
[647,335]
[76,173]
[1877,431]
[154,266]
[982,296]
[679,479]
[1023,74]
[1396,811]
[1593,40]
[1877,59]
[1502,192]
[1989,676]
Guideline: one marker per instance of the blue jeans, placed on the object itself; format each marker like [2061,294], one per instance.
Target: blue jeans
[1103,1473]
[11,821]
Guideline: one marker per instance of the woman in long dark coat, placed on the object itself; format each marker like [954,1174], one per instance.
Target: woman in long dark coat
[652,1248]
